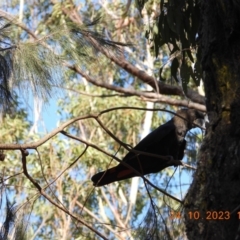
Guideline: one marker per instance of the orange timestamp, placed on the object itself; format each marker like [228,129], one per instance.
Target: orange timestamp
[209,215]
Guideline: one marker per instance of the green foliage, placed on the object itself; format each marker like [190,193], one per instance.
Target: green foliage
[5,68]
[14,223]
[174,68]
[122,123]
[177,26]
[37,67]
[58,165]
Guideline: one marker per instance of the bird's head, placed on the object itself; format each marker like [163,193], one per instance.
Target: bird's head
[186,119]
[191,117]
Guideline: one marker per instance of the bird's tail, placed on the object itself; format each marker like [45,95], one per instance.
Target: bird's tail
[112,175]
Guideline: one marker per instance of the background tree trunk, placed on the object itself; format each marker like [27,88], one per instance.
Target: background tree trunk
[216,185]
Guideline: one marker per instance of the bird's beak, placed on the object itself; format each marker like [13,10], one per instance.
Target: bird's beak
[201,122]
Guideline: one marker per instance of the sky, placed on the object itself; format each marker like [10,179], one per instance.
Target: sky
[48,118]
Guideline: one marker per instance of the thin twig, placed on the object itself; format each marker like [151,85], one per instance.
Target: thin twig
[124,163]
[188,166]
[94,95]
[42,192]
[154,97]
[3,180]
[123,63]
[108,226]
[38,143]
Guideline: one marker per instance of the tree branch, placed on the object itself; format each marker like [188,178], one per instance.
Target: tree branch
[151,96]
[96,117]
[142,75]
[124,163]
[42,192]
[97,219]
[38,143]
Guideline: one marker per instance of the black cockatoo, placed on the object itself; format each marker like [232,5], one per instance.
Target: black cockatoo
[167,140]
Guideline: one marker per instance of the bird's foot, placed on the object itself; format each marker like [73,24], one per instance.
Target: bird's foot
[178,163]
[174,162]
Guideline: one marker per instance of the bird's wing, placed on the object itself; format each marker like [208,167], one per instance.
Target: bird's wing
[181,149]
[163,135]
[156,136]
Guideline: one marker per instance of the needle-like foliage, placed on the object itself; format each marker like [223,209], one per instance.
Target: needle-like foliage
[37,65]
